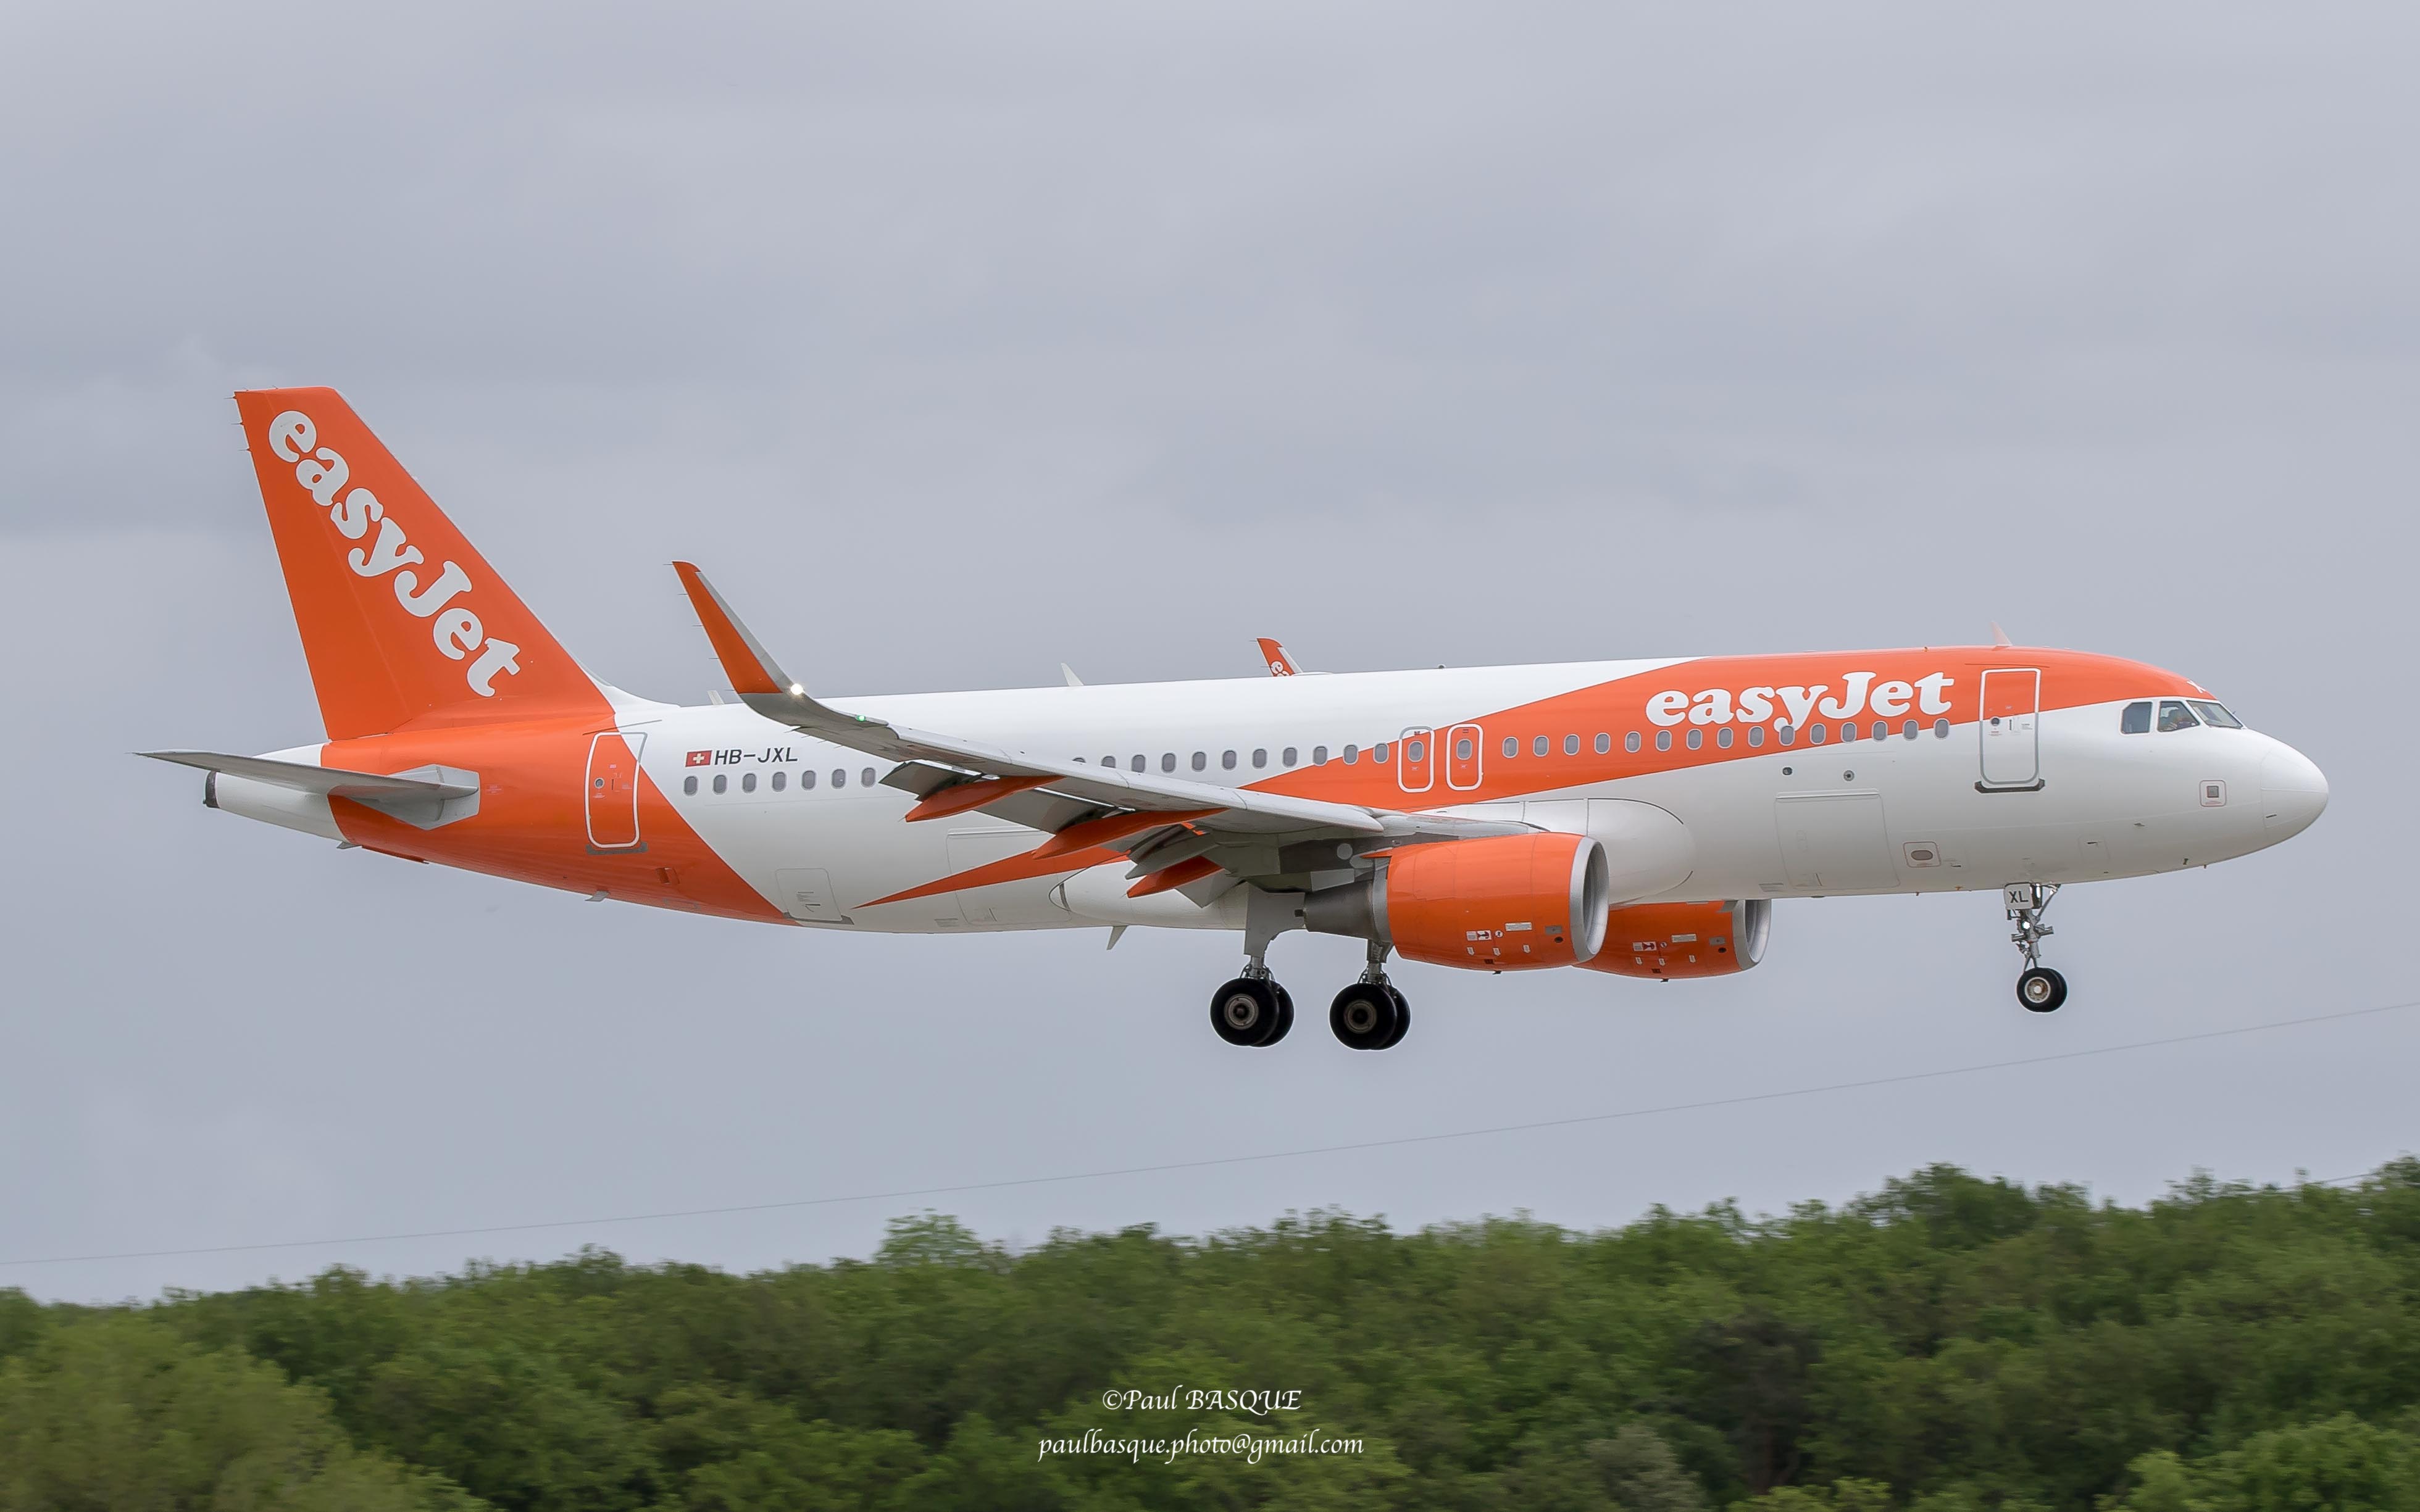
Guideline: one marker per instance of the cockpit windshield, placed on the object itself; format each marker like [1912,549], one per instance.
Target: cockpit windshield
[2216,715]
[2175,715]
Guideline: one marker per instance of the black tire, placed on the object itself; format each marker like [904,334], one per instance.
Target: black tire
[2041,990]
[1403,1018]
[1364,1017]
[1285,1016]
[1246,1011]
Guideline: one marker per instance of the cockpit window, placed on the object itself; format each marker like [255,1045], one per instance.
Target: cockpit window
[2136,720]
[2215,715]
[2175,715]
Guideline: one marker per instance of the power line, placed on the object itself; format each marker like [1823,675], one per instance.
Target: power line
[1900,1078]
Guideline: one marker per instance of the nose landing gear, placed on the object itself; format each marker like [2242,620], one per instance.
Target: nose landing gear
[2040,989]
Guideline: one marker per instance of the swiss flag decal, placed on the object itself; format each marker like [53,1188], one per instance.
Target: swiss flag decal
[700,758]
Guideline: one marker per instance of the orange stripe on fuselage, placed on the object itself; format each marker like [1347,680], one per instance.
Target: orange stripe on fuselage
[533,820]
[2069,679]
[1016,868]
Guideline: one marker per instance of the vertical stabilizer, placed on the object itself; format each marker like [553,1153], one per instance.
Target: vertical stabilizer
[401,618]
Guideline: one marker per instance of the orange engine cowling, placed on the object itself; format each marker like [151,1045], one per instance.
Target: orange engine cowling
[1502,903]
[1671,940]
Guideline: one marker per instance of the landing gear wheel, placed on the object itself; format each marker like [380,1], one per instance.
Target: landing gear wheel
[2041,990]
[1249,1011]
[1368,1016]
[1285,1016]
[1403,1018]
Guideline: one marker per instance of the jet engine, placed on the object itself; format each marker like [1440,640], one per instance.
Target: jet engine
[1671,940]
[1505,902]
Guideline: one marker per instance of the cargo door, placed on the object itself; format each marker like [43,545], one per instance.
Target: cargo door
[1834,841]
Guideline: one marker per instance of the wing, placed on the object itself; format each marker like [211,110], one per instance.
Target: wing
[1198,836]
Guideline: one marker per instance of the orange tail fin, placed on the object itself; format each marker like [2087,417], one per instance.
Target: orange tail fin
[401,618]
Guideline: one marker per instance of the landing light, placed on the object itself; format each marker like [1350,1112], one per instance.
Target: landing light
[798,691]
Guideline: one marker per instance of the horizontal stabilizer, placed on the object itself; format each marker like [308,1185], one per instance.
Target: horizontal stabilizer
[424,798]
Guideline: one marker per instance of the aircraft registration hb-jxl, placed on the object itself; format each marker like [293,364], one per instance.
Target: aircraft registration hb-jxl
[1633,817]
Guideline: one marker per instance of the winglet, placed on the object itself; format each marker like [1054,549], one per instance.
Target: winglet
[1279,664]
[745,660]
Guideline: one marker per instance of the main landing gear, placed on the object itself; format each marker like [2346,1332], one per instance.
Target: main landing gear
[2040,989]
[1253,1010]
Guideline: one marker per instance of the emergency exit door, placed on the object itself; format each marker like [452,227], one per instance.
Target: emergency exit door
[613,790]
[2012,741]
[1416,770]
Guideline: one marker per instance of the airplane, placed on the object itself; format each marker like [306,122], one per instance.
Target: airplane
[1635,817]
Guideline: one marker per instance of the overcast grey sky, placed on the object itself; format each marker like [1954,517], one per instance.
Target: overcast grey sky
[957,342]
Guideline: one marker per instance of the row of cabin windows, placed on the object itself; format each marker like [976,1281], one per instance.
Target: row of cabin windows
[780,780]
[2176,713]
[1814,734]
[1416,749]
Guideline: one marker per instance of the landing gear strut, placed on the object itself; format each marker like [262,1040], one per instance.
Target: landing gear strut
[1371,1014]
[2040,989]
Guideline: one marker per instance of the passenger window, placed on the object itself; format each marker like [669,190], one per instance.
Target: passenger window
[722,783]
[1941,729]
[2136,720]
[1907,731]
[1848,730]
[1319,755]
[1571,745]
[2175,715]
[1168,760]
[1287,756]
[748,783]
[839,777]
[1351,755]
[1416,750]
[1201,760]
[1788,736]
[1511,746]
[1141,761]
[1604,743]
[1538,747]
[1259,757]
[688,785]
[2215,715]
[1378,753]
[1630,741]
[1723,737]
[1462,749]
[1882,728]
[1663,740]
[1815,734]
[1227,759]
[806,780]
[1697,737]
[1756,735]
[866,776]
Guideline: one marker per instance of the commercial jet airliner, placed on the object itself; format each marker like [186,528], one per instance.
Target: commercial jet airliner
[1635,817]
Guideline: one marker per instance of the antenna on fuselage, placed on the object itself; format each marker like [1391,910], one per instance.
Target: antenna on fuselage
[2000,637]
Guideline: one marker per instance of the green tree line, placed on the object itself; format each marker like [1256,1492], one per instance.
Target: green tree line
[1949,1343]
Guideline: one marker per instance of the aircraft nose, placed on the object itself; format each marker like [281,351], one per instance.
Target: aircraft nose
[2293,792]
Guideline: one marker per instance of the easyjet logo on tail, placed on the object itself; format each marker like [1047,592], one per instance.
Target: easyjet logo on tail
[454,627]
[1754,706]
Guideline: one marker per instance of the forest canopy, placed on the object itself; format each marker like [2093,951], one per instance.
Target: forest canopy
[1949,1343]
